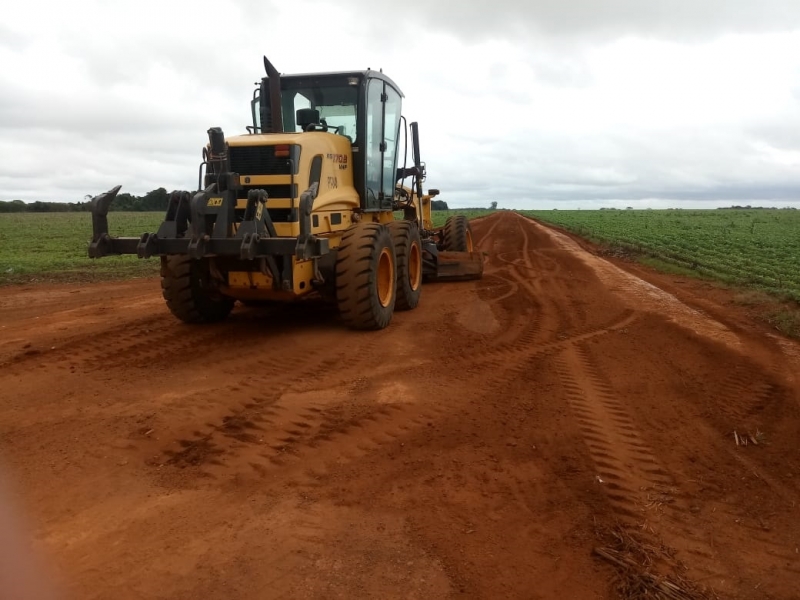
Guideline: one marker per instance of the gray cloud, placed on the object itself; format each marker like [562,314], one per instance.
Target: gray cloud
[87,115]
[781,132]
[681,167]
[583,21]
[11,39]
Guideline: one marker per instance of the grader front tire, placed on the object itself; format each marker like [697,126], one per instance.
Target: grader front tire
[185,287]
[457,235]
[408,248]
[366,281]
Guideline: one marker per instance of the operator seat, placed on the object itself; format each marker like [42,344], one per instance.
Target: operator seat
[307,118]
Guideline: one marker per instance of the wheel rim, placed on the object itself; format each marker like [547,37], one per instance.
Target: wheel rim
[414,267]
[469,241]
[385,277]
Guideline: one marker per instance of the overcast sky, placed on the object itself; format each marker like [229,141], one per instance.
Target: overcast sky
[532,103]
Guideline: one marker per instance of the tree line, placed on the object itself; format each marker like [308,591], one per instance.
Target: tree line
[155,200]
[748,207]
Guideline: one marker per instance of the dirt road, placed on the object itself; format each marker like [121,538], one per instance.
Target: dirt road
[482,446]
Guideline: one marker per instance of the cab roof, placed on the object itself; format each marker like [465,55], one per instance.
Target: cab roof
[367,74]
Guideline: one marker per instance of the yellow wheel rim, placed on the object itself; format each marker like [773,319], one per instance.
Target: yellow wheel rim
[385,277]
[414,267]
[470,245]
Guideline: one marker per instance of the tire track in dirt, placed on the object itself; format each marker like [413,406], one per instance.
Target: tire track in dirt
[640,490]
[520,331]
[519,313]
[777,553]
[514,324]
[639,487]
[254,404]
[296,429]
[645,295]
[143,343]
[488,234]
[523,338]
[621,456]
[339,439]
[523,309]
[312,435]
[314,432]
[747,394]
[553,315]
[88,350]
[159,339]
[527,348]
[497,280]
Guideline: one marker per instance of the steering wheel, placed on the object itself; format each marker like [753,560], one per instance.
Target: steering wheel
[336,128]
[323,126]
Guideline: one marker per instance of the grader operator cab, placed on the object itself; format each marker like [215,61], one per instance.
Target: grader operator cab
[304,204]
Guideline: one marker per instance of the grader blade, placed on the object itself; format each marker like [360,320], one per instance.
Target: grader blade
[458,266]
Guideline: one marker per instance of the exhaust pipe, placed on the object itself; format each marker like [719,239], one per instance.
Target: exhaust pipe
[417,161]
[271,112]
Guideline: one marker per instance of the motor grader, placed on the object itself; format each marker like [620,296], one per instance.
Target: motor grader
[304,204]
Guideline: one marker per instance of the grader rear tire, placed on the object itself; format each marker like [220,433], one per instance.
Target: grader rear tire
[185,287]
[366,281]
[408,248]
[457,235]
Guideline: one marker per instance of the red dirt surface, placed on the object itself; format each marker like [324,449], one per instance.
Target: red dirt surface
[478,447]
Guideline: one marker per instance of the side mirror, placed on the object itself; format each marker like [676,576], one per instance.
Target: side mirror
[433,192]
[216,140]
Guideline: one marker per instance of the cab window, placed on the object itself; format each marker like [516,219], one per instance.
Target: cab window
[383,127]
[374,140]
[337,105]
[391,130]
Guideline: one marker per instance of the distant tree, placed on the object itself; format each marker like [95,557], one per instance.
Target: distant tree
[152,201]
[155,200]
[439,205]
[13,206]
[122,201]
[39,207]
[628,208]
[494,205]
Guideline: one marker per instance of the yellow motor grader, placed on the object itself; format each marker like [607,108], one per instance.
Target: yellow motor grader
[304,203]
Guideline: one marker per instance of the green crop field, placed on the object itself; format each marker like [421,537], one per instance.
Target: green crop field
[53,246]
[752,248]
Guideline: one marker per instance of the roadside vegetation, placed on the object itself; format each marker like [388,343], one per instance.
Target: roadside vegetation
[52,247]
